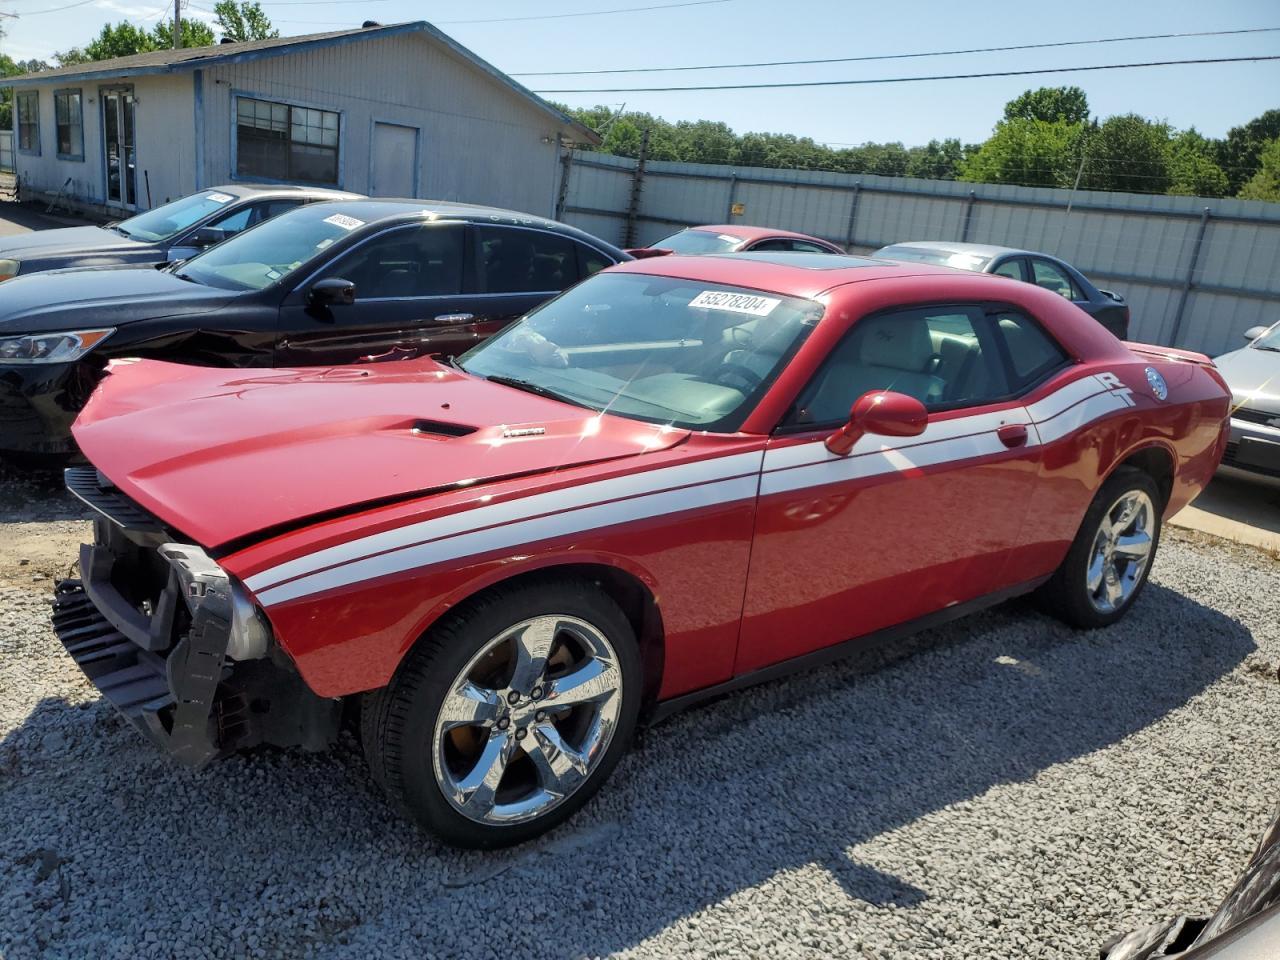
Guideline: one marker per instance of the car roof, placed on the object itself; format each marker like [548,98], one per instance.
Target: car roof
[746,232]
[977,249]
[244,190]
[790,274]
[372,210]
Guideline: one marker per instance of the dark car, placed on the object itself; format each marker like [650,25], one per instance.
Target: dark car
[1108,308]
[329,283]
[736,238]
[174,231]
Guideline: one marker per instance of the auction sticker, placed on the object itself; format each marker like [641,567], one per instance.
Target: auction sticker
[735,302]
[343,221]
[220,197]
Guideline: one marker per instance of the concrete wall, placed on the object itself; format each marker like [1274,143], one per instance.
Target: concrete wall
[1193,279]
[479,141]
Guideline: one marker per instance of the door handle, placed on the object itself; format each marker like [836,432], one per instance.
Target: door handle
[454,318]
[1012,434]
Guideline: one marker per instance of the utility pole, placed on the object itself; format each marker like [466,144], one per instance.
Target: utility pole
[177,24]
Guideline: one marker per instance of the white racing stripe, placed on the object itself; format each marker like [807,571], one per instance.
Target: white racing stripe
[515,534]
[669,490]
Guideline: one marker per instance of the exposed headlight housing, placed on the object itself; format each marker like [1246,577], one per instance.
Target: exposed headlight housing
[51,347]
[9,269]
[199,577]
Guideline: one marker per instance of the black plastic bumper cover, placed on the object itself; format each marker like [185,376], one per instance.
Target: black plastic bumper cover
[170,699]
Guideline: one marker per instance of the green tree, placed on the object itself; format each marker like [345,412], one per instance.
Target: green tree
[243,21]
[1035,153]
[1265,184]
[936,160]
[125,39]
[195,33]
[1240,154]
[1050,104]
[1127,153]
[1193,166]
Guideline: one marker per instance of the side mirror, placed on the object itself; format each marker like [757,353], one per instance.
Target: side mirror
[206,237]
[881,412]
[1253,333]
[332,291]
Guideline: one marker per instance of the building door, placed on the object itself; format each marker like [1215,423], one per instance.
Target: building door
[118,146]
[394,163]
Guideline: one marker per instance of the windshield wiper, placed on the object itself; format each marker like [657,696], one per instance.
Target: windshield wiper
[1268,349]
[122,231]
[185,276]
[456,364]
[538,389]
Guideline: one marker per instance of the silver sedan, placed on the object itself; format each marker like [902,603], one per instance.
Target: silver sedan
[1253,374]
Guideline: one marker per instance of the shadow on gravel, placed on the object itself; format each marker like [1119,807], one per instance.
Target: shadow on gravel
[301,853]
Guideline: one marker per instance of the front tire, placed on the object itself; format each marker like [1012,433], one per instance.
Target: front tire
[1110,559]
[509,715]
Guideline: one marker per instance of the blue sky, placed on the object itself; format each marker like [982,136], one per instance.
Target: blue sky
[1213,98]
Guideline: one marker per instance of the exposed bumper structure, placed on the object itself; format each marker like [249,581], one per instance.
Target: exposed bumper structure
[173,643]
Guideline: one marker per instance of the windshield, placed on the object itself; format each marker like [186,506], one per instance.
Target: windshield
[682,352]
[697,241]
[943,258]
[1269,340]
[269,252]
[164,223]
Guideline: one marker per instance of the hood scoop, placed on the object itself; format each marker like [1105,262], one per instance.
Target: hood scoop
[440,430]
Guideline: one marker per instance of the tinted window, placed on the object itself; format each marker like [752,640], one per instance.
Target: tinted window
[1032,353]
[773,244]
[166,222]
[698,241]
[941,357]
[279,141]
[803,246]
[1052,278]
[526,261]
[591,260]
[422,261]
[1010,268]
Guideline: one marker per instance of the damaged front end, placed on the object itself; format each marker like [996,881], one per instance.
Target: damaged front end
[175,643]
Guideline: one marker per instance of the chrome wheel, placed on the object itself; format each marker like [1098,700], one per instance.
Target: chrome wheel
[528,720]
[1121,551]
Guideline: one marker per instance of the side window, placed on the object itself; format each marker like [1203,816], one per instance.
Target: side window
[772,245]
[941,356]
[526,261]
[1032,353]
[1052,278]
[1010,268]
[423,261]
[803,246]
[232,223]
[591,261]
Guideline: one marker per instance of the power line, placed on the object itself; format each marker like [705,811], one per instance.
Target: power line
[878,80]
[897,56]
[70,6]
[542,16]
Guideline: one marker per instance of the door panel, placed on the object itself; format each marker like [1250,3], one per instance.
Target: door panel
[118,146]
[409,302]
[395,160]
[902,526]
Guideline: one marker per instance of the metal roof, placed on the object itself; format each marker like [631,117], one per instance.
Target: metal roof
[196,58]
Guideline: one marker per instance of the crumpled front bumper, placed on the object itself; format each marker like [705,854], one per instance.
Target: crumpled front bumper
[171,699]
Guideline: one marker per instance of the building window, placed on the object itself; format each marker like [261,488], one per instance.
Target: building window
[278,141]
[28,104]
[68,118]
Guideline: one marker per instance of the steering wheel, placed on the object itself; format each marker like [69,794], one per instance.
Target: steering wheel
[727,373]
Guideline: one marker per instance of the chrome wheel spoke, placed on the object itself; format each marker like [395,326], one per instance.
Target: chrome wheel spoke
[469,705]
[598,679]
[1114,588]
[533,645]
[560,767]
[1133,546]
[477,792]
[1097,567]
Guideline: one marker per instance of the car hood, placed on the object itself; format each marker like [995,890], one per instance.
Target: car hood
[222,455]
[61,299]
[66,242]
[1254,377]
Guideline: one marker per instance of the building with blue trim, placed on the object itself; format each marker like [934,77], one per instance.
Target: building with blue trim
[401,110]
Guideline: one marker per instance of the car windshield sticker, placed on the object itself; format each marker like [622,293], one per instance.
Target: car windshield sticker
[728,239]
[735,302]
[220,197]
[273,274]
[343,221]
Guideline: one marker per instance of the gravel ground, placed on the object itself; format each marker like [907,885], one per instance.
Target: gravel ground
[1003,787]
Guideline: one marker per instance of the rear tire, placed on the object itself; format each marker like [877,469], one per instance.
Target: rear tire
[1108,563]
[464,749]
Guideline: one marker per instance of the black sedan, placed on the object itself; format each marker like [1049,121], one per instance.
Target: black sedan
[174,231]
[330,283]
[1108,308]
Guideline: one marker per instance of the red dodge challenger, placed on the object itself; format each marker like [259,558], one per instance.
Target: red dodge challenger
[735,238]
[682,476]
